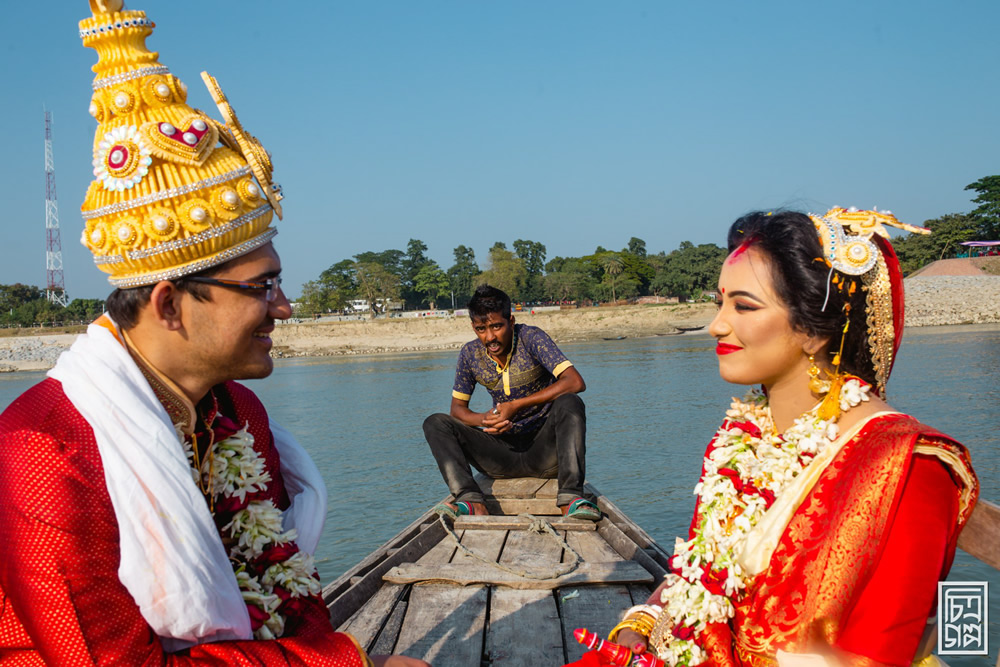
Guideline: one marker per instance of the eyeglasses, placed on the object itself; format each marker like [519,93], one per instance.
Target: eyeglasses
[271,285]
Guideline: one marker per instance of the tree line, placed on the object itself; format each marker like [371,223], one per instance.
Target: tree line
[26,306]
[524,271]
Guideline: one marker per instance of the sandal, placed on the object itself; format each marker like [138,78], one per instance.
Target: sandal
[581,508]
[456,509]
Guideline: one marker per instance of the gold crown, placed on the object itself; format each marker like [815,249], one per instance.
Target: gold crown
[168,199]
[846,236]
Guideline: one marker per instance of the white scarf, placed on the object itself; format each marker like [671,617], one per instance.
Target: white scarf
[173,562]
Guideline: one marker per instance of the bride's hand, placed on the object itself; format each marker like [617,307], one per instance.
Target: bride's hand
[397,661]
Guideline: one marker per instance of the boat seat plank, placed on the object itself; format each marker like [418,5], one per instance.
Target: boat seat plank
[524,629]
[484,543]
[366,623]
[515,506]
[517,487]
[532,551]
[597,608]
[548,490]
[591,546]
[464,574]
[444,625]
[518,523]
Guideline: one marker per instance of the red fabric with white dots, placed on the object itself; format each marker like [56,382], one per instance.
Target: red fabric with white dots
[61,602]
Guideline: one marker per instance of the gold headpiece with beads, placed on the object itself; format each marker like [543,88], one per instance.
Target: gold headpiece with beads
[851,252]
[168,199]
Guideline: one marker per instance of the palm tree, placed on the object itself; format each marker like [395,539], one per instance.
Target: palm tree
[613,267]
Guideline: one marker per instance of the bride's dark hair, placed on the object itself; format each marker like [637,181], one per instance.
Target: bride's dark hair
[802,282]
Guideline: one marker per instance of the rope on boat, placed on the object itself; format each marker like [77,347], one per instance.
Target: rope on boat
[535,525]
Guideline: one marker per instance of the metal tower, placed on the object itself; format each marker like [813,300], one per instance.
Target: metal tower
[55,287]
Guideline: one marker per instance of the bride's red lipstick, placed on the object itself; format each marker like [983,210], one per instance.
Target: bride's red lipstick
[726,348]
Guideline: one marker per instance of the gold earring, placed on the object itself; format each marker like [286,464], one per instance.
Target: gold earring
[816,385]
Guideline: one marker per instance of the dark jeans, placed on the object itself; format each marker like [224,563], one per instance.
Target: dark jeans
[557,449]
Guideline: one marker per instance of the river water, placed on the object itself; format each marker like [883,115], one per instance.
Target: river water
[652,405]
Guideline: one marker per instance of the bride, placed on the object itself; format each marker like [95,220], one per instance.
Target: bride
[824,518]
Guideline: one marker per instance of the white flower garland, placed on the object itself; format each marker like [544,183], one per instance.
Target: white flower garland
[232,468]
[748,465]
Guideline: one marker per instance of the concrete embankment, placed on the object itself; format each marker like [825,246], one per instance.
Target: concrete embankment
[935,300]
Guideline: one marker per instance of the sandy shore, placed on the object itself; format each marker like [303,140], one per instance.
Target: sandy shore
[930,301]
[412,335]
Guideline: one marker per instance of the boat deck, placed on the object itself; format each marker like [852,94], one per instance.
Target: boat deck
[421,595]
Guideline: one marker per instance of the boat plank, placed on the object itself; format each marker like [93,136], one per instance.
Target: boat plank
[591,546]
[518,487]
[628,549]
[534,552]
[343,582]
[444,625]
[365,624]
[515,506]
[385,644]
[346,604]
[620,572]
[597,608]
[524,629]
[484,543]
[630,528]
[981,534]
[500,522]
[442,552]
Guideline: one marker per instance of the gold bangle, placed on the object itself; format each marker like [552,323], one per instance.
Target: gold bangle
[638,625]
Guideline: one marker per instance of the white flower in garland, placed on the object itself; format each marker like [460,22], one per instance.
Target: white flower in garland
[747,467]
[233,469]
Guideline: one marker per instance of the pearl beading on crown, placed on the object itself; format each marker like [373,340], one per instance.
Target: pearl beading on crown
[165,194]
[184,243]
[139,22]
[109,81]
[195,267]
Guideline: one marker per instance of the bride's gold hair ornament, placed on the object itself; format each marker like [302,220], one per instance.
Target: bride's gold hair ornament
[168,199]
[856,247]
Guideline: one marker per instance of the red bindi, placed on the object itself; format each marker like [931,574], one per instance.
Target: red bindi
[722,289]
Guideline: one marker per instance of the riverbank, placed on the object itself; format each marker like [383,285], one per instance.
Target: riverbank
[931,300]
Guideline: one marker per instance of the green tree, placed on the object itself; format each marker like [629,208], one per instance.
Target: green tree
[377,285]
[987,213]
[613,266]
[532,254]
[506,272]
[410,265]
[947,234]
[432,282]
[463,274]
[637,247]
[612,288]
[568,279]
[390,260]
[688,270]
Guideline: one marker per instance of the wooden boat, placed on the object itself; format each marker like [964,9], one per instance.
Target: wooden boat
[422,595]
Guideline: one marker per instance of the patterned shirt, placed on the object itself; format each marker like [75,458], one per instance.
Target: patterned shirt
[532,365]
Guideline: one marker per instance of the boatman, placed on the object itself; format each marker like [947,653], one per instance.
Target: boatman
[150,514]
[537,424]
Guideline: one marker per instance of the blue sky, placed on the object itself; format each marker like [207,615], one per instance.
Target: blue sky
[576,123]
